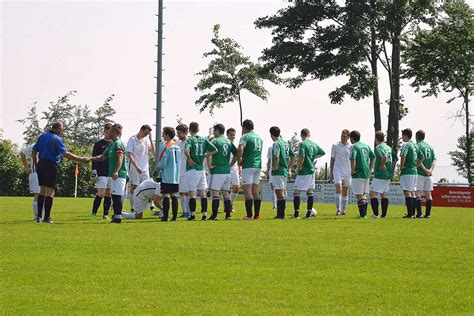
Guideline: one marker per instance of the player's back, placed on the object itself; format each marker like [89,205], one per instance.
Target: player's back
[252,156]
[146,189]
[409,151]
[169,163]
[220,161]
[383,150]
[425,152]
[362,154]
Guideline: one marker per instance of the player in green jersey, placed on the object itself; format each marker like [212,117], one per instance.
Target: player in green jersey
[362,163]
[235,170]
[308,152]
[426,164]
[219,167]
[196,150]
[383,172]
[250,153]
[408,172]
[282,157]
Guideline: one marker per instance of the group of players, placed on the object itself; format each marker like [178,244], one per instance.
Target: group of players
[196,164]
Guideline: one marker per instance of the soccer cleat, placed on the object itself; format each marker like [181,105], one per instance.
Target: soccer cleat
[375,217]
[93,215]
[246,218]
[256,218]
[204,218]
[419,216]
[427,216]
[228,218]
[191,219]
[382,216]
[105,217]
[406,216]
[116,220]
[173,219]
[278,217]
[48,221]
[156,213]
[37,220]
[164,219]
[338,213]
[295,217]
[343,213]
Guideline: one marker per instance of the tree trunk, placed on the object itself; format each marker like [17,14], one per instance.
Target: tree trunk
[240,106]
[394,111]
[373,64]
[468,137]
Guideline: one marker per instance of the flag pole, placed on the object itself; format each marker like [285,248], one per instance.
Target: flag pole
[76,172]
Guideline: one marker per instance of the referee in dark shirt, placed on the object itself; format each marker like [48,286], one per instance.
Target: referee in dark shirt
[100,171]
[50,149]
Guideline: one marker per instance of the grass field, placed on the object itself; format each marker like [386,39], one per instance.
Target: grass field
[327,265]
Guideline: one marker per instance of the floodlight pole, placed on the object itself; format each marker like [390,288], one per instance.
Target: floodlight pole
[159,77]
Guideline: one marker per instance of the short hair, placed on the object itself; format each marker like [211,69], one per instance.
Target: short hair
[355,135]
[182,128]
[275,131]
[57,125]
[220,128]
[407,132]
[346,131]
[116,128]
[107,126]
[168,130]
[145,127]
[420,135]
[380,136]
[231,130]
[305,132]
[248,124]
[193,127]
[119,126]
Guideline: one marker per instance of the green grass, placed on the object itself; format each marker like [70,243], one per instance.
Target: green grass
[326,266]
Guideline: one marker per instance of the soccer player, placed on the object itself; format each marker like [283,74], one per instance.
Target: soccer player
[29,168]
[182,133]
[147,191]
[362,162]
[340,170]
[269,175]
[139,147]
[308,152]
[250,152]
[382,175]
[408,173]
[219,166]
[168,166]
[426,164]
[114,153]
[235,170]
[50,148]
[282,157]
[197,149]
[100,174]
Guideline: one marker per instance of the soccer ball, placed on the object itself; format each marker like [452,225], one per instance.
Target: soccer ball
[314,212]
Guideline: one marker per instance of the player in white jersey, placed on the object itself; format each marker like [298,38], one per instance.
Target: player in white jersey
[235,170]
[30,169]
[182,133]
[340,171]
[139,147]
[269,174]
[147,191]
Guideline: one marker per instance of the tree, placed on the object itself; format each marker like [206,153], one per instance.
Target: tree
[10,168]
[34,130]
[440,59]
[463,161]
[228,74]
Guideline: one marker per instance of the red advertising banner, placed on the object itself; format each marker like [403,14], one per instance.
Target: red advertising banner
[453,196]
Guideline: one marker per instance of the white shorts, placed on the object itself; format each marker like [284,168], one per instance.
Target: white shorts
[234,177]
[344,180]
[137,178]
[196,180]
[141,201]
[304,182]
[117,187]
[279,182]
[380,185]
[183,184]
[424,183]
[219,182]
[102,182]
[408,182]
[33,183]
[360,186]
[251,175]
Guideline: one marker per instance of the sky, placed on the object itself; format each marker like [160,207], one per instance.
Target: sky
[107,47]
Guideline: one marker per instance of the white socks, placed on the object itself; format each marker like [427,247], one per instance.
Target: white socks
[128,215]
[184,203]
[233,196]
[35,208]
[274,199]
[130,197]
[344,203]
[338,201]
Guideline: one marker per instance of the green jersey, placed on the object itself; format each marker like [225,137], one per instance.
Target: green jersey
[221,160]
[198,146]
[309,150]
[425,152]
[409,152]
[111,152]
[283,151]
[362,154]
[252,156]
[383,150]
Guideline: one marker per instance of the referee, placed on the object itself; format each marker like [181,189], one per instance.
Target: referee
[50,149]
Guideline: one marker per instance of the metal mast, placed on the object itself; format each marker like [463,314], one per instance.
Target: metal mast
[159,76]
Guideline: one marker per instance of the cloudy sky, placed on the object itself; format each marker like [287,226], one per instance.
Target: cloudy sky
[100,48]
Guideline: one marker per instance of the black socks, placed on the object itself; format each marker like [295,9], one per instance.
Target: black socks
[384,206]
[107,203]
[96,204]
[48,204]
[375,206]
[174,207]
[166,208]
[428,207]
[362,205]
[256,205]
[40,204]
[215,206]
[419,213]
[248,207]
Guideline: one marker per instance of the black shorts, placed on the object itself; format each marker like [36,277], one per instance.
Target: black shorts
[47,173]
[169,188]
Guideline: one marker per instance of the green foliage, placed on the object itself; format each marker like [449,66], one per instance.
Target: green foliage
[228,74]
[460,159]
[10,168]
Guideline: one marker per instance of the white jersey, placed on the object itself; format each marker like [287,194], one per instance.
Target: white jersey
[146,189]
[28,151]
[342,162]
[139,148]
[182,145]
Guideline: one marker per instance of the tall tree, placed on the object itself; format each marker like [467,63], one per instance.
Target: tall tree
[32,121]
[463,157]
[441,59]
[228,74]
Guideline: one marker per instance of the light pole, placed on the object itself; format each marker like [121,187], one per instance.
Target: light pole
[159,78]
